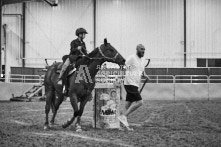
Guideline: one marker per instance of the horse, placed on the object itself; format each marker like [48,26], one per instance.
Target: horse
[81,83]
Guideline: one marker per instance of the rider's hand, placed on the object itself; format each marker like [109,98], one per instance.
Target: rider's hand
[79,47]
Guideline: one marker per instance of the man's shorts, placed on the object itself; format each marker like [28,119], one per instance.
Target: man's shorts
[133,94]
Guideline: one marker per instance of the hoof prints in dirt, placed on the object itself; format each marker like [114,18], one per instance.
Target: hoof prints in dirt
[156,123]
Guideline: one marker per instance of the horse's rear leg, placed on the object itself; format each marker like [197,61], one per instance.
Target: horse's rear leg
[74,103]
[49,97]
[56,106]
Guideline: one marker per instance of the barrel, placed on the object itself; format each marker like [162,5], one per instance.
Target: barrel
[106,106]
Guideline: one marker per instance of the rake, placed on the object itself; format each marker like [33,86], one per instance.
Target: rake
[146,78]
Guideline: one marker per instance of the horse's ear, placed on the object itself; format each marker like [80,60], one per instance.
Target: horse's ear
[105,41]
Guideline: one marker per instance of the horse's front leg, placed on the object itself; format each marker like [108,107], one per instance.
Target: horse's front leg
[74,104]
[82,105]
[78,125]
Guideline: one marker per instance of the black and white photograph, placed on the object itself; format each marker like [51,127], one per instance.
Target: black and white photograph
[109,73]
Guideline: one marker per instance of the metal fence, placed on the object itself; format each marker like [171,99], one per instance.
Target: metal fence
[18,78]
[164,79]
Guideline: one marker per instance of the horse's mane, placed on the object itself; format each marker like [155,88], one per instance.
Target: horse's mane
[92,53]
[85,60]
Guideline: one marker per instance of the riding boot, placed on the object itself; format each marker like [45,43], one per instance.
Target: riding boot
[63,69]
[73,64]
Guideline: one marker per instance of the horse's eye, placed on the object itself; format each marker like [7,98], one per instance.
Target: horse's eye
[112,50]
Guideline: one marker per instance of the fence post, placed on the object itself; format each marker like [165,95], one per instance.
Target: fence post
[174,82]
[208,83]
[191,79]
[157,80]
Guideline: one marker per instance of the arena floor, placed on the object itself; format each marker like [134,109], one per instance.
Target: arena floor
[156,123]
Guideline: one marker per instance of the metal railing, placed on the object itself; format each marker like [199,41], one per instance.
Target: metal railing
[215,79]
[191,79]
[164,79]
[18,78]
[109,78]
[160,79]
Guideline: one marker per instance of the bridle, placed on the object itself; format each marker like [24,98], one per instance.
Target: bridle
[114,58]
[103,56]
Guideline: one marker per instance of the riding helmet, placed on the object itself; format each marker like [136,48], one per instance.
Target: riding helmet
[80,31]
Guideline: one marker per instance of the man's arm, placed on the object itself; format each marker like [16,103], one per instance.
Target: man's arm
[144,72]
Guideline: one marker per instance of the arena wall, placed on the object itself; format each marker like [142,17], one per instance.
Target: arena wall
[152,91]
[177,92]
[16,89]
[159,25]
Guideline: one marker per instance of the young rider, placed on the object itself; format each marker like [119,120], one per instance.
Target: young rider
[78,48]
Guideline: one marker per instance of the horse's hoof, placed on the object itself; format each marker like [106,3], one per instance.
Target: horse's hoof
[46,127]
[121,129]
[130,129]
[78,127]
[79,130]
[52,125]
[64,126]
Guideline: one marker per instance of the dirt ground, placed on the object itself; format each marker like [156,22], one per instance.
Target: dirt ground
[156,123]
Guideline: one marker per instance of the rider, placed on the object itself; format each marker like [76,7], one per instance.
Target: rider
[78,48]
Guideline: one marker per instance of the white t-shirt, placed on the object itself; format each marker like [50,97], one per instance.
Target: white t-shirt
[135,67]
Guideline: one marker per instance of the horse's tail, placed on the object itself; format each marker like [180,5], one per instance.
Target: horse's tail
[49,86]
[53,102]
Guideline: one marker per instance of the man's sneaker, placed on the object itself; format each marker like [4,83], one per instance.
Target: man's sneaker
[123,120]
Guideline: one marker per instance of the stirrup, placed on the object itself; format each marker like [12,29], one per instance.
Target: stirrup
[65,91]
[59,82]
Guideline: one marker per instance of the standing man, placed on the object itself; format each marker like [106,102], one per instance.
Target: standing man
[134,69]
[78,48]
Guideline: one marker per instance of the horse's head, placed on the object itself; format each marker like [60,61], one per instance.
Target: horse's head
[111,54]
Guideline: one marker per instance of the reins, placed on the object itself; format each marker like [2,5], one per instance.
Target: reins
[103,56]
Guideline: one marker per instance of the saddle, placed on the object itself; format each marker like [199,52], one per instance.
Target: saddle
[69,71]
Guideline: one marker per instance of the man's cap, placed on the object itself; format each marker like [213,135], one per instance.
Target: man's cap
[140,46]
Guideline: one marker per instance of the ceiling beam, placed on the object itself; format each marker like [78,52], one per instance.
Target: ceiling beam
[50,2]
[6,2]
[54,3]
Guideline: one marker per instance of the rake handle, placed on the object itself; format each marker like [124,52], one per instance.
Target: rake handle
[144,84]
[146,78]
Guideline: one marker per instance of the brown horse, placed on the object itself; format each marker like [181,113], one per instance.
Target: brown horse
[81,83]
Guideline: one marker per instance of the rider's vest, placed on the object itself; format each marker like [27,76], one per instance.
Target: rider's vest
[74,47]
